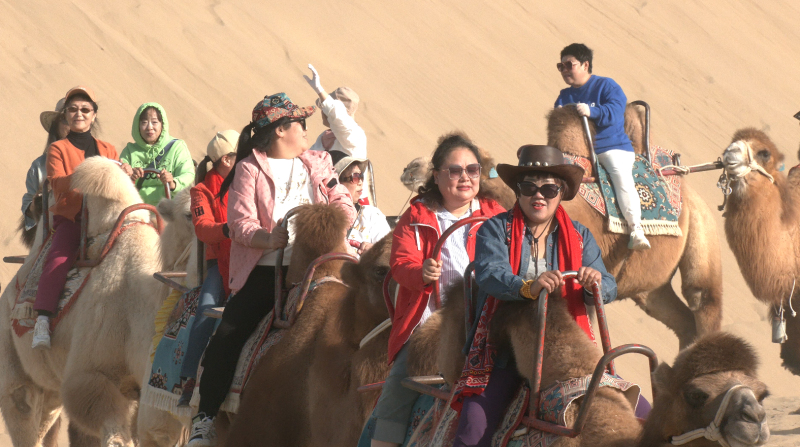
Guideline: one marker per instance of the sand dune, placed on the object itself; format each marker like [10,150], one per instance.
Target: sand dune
[421,68]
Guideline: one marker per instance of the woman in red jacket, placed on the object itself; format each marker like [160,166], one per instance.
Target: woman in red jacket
[449,195]
[210,219]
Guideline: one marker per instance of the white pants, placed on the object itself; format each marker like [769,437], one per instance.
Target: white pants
[619,164]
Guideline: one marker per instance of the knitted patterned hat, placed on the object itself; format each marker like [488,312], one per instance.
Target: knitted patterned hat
[277,106]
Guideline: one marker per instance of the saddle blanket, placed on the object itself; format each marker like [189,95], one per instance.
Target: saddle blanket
[23,317]
[660,196]
[437,427]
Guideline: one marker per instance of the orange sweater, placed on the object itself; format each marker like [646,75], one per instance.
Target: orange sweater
[62,159]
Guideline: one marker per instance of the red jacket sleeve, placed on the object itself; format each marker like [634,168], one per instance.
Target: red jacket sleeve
[205,227]
[406,259]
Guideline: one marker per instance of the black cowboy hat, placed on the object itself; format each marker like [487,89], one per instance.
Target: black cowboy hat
[536,158]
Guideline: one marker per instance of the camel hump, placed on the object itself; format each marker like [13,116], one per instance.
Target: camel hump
[635,123]
[719,351]
[102,177]
[565,130]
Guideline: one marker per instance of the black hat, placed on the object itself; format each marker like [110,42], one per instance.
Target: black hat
[535,158]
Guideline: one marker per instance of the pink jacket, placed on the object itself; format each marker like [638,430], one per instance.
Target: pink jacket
[251,198]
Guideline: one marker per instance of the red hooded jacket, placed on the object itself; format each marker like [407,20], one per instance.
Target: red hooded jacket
[209,215]
[413,240]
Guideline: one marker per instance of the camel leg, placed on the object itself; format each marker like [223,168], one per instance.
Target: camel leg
[51,438]
[97,405]
[79,438]
[790,349]
[158,428]
[664,305]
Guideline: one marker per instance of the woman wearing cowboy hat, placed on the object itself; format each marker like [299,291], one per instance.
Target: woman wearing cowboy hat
[517,255]
[274,172]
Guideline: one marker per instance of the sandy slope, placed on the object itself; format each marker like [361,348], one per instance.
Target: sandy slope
[421,68]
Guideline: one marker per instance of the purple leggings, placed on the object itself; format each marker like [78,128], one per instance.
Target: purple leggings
[481,414]
[62,255]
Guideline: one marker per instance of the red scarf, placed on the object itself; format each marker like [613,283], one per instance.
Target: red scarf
[482,352]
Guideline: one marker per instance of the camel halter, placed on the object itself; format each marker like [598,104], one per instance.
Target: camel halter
[712,432]
[725,181]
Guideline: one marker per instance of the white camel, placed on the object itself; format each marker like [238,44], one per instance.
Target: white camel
[101,346]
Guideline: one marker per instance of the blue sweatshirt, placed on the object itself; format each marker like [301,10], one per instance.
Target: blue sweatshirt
[607,103]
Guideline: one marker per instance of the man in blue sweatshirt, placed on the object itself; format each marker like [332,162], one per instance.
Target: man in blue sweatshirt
[603,101]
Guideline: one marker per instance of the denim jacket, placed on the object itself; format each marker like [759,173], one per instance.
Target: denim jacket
[493,268]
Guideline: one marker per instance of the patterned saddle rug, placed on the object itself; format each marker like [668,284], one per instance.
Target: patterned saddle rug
[433,422]
[164,385]
[660,197]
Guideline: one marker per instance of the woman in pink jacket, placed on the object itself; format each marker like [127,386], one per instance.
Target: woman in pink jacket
[274,172]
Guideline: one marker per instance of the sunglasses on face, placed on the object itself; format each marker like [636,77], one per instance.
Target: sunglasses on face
[548,190]
[76,109]
[473,171]
[353,178]
[567,65]
[302,122]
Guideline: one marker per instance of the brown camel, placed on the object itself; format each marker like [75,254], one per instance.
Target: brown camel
[761,222]
[688,393]
[645,276]
[315,369]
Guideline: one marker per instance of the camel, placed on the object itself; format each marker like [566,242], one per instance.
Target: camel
[688,393]
[761,222]
[100,347]
[315,369]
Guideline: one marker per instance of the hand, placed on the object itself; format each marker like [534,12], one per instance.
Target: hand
[166,178]
[549,280]
[583,109]
[587,276]
[137,173]
[315,83]
[278,238]
[364,247]
[127,169]
[431,270]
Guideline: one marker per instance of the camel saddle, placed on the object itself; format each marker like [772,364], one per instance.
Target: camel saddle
[660,196]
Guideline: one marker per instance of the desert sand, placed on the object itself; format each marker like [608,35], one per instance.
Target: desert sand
[422,68]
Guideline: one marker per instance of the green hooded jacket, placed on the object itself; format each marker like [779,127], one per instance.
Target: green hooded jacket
[139,154]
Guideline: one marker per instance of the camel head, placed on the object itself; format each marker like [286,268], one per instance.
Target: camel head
[366,277]
[690,394]
[179,231]
[107,191]
[751,158]
[416,173]
[318,229]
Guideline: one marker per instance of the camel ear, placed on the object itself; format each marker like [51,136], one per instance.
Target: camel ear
[165,209]
[662,378]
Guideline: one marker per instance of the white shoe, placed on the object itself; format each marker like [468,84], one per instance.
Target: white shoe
[41,334]
[203,432]
[638,240]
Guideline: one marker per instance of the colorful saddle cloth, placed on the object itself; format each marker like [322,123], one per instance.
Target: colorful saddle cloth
[434,422]
[660,196]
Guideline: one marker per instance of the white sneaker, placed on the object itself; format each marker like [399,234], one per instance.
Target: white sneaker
[638,240]
[41,334]
[203,432]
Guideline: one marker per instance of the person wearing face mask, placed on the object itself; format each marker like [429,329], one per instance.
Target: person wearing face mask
[451,193]
[370,224]
[154,148]
[55,124]
[603,101]
[518,254]
[63,156]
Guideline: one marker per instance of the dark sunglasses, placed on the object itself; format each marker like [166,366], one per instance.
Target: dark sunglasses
[548,190]
[473,171]
[354,178]
[567,65]
[75,109]
[302,122]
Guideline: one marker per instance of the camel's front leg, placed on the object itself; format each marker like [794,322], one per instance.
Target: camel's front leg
[664,305]
[101,406]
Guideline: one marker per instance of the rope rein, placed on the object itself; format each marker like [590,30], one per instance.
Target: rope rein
[712,432]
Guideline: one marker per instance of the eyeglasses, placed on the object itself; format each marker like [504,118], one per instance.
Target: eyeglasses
[302,122]
[354,178]
[76,109]
[568,65]
[548,190]
[473,171]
